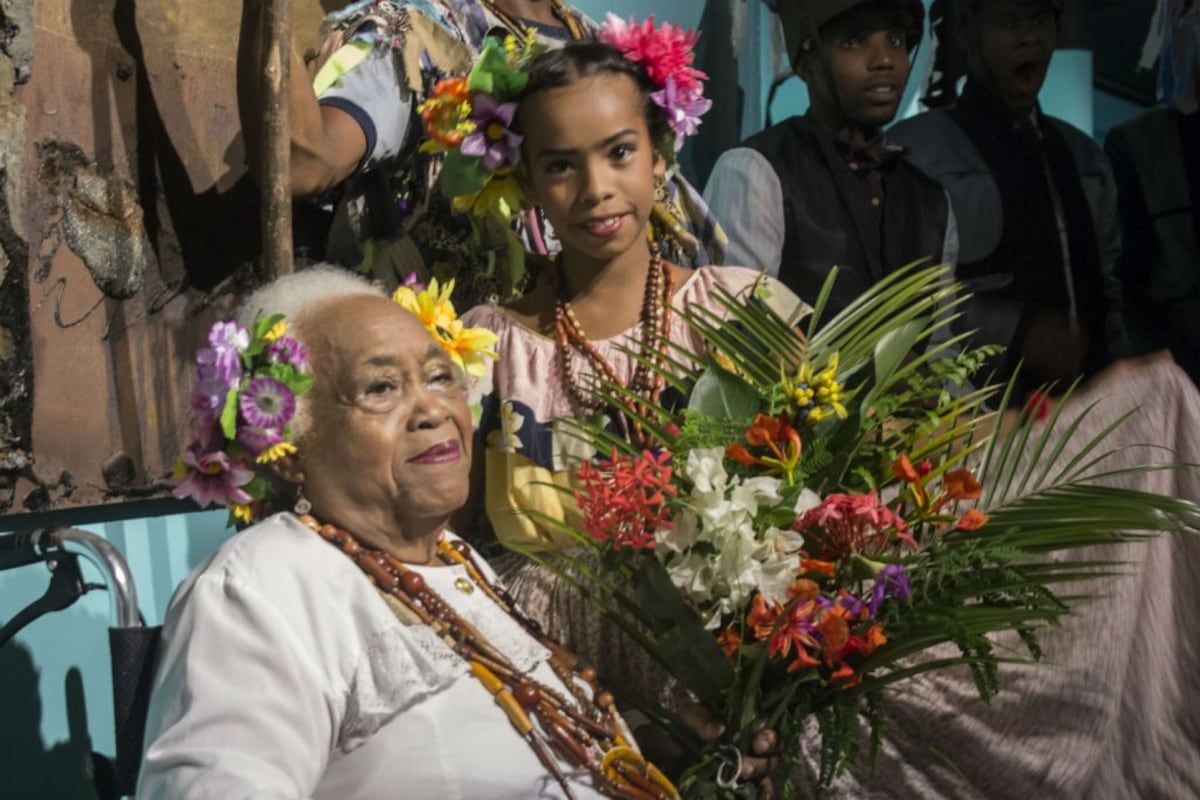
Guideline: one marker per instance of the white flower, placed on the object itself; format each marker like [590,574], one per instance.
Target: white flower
[778,572]
[684,534]
[808,499]
[755,493]
[706,469]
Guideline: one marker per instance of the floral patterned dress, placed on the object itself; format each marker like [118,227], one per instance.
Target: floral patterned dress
[526,454]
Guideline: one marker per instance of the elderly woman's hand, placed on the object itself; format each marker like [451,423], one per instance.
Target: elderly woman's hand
[759,764]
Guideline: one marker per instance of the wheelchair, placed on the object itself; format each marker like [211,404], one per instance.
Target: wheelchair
[133,645]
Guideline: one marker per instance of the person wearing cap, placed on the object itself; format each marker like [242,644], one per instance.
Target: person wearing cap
[1033,197]
[827,188]
[1156,162]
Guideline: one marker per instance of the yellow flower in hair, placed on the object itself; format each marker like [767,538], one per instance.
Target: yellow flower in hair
[431,305]
[241,512]
[502,192]
[468,347]
[276,452]
[277,330]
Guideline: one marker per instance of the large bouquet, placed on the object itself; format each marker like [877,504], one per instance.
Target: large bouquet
[832,502]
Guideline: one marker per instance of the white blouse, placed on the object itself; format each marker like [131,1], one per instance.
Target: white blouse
[284,674]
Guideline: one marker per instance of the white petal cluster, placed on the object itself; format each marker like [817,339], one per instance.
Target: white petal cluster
[714,553]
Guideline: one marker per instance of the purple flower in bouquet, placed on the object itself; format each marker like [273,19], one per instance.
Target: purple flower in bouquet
[267,403]
[227,340]
[492,140]
[892,581]
[211,478]
[286,350]
[217,370]
[413,281]
[684,106]
[256,439]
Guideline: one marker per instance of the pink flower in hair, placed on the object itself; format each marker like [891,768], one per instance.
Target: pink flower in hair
[666,53]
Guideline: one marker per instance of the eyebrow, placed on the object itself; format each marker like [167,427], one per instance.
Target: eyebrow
[548,151]
[433,351]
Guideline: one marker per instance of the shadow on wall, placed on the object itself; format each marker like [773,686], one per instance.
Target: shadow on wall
[33,771]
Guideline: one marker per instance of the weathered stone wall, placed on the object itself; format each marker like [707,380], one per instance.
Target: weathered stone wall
[127,222]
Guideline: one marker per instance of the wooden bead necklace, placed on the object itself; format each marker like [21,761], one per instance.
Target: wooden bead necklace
[655,327]
[585,732]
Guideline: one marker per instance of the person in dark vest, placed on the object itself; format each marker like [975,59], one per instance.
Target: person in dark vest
[1156,163]
[1033,197]
[827,189]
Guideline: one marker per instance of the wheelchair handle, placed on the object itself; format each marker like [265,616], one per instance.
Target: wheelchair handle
[30,547]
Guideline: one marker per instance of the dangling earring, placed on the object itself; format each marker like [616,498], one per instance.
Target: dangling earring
[302,505]
[662,194]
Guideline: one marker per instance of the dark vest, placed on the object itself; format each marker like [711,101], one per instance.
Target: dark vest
[829,220]
[1030,166]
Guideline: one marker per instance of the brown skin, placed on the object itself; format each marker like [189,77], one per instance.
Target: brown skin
[385,394]
[587,160]
[327,144]
[1009,44]
[857,73]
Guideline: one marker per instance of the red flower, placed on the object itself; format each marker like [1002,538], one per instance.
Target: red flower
[973,520]
[624,499]
[853,523]
[960,484]
[1037,405]
[741,455]
[903,469]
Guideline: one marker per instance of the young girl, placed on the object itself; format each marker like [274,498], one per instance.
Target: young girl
[591,158]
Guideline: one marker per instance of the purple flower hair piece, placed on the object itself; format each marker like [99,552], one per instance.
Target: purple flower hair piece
[684,108]
[213,478]
[286,350]
[492,140]
[267,403]
[256,439]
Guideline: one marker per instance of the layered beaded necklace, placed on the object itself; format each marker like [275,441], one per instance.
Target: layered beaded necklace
[646,384]
[584,730]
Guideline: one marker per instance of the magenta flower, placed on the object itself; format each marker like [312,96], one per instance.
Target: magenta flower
[267,403]
[286,350]
[213,478]
[684,107]
[492,140]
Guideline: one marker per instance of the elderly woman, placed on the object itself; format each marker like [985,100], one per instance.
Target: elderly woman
[357,648]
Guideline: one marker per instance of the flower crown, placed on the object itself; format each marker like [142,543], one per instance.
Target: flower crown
[245,400]
[469,118]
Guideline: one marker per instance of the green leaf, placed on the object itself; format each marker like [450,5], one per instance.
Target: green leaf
[693,651]
[229,413]
[722,394]
[461,174]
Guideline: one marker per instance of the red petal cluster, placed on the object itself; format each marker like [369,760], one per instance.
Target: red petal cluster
[624,499]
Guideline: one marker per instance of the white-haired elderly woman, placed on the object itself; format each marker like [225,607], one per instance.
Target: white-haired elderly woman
[356,648]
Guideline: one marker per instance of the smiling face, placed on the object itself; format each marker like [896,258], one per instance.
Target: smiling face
[1009,45]
[388,448]
[591,164]
[858,75]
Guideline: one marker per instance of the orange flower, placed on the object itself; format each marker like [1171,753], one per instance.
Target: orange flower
[779,436]
[446,114]
[874,639]
[835,632]
[903,469]
[820,567]
[803,590]
[973,520]
[740,454]
[960,484]
[762,618]
[730,640]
